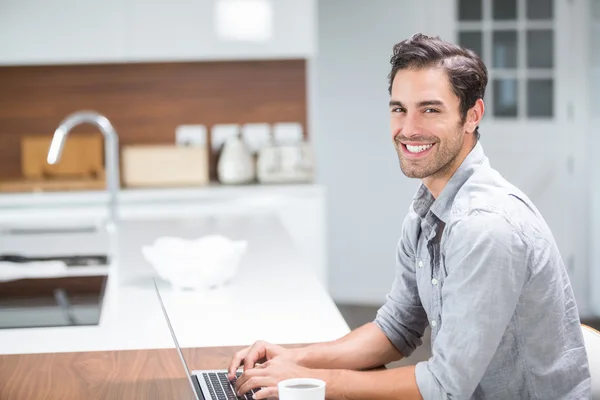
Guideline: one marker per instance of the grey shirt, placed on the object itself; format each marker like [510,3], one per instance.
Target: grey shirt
[481,267]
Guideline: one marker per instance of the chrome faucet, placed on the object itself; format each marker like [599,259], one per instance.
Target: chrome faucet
[111,161]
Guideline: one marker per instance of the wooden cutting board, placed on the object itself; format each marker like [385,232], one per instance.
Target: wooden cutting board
[82,158]
[81,166]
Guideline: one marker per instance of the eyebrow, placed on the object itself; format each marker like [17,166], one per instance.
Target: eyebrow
[420,104]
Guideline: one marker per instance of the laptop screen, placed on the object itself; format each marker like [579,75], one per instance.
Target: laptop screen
[185,366]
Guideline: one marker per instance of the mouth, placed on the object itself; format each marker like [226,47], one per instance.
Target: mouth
[416,150]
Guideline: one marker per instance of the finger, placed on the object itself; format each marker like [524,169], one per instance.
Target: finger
[265,392]
[245,376]
[255,382]
[236,362]
[256,352]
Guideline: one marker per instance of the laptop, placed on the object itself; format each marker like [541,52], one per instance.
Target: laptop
[206,384]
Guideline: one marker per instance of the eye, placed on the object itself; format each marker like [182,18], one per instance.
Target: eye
[397,109]
[432,110]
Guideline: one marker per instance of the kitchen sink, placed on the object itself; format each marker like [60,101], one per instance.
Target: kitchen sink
[52,302]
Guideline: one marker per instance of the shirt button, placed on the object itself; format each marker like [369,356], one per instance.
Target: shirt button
[434,281]
[434,323]
[420,263]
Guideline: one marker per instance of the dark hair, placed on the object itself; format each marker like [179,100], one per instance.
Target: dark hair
[466,71]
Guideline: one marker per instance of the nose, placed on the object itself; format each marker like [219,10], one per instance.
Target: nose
[410,125]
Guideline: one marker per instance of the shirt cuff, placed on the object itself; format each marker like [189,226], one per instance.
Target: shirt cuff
[428,385]
[397,340]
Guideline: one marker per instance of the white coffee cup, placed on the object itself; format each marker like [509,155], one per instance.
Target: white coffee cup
[301,389]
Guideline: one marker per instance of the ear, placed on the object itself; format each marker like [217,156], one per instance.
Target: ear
[474,116]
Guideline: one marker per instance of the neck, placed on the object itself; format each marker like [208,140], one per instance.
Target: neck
[438,181]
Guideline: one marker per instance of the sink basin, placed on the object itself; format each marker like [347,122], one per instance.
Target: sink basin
[52,302]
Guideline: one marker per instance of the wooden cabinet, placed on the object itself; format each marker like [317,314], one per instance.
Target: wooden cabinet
[34,32]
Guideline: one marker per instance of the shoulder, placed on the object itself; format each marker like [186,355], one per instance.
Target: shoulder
[482,225]
[488,203]
[484,240]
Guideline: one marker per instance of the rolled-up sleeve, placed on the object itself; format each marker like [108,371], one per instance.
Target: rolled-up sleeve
[402,317]
[486,262]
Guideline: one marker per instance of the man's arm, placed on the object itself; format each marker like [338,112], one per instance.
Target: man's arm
[402,318]
[363,348]
[395,333]
[341,384]
[392,384]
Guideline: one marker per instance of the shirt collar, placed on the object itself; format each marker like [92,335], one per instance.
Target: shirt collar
[424,200]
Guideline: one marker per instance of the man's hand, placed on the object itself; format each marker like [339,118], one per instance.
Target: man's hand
[266,377]
[259,352]
[263,378]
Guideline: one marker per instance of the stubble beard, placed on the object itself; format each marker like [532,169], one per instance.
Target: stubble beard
[436,163]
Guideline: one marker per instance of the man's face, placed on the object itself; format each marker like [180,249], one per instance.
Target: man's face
[425,122]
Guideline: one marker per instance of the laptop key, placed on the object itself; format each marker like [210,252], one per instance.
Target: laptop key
[211,390]
[230,393]
[218,388]
[212,386]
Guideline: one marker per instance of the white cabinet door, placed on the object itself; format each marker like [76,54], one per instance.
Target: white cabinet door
[187,30]
[61,31]
[85,31]
[168,30]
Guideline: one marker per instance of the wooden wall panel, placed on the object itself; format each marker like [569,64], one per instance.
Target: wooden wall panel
[146,101]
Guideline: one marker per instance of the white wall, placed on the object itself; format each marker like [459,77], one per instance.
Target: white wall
[368,196]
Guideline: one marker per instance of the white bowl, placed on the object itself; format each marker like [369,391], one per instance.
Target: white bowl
[199,264]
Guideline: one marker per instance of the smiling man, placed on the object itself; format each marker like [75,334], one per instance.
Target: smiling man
[476,262]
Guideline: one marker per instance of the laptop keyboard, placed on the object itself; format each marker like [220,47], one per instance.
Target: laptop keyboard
[221,388]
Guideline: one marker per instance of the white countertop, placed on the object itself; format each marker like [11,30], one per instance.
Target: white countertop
[274,297]
[46,208]
[213,191]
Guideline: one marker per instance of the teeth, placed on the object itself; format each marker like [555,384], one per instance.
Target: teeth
[418,149]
